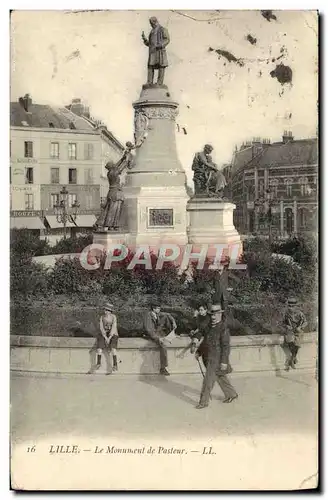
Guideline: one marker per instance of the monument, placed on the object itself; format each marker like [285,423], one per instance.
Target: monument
[210,213]
[153,206]
[155,196]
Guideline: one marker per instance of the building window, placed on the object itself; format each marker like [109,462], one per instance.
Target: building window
[261,188]
[302,217]
[250,193]
[289,186]
[88,176]
[273,185]
[54,200]
[72,175]
[305,188]
[88,151]
[54,175]
[72,198]
[29,175]
[54,150]
[72,151]
[28,149]
[88,201]
[29,201]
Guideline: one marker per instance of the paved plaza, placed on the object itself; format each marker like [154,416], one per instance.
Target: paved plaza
[129,405]
[266,439]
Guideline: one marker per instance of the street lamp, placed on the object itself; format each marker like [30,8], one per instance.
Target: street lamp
[63,212]
[268,203]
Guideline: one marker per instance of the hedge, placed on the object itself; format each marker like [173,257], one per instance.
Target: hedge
[257,298]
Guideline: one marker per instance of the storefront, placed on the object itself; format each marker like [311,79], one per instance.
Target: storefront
[31,220]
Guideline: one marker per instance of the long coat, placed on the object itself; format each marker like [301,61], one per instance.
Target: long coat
[157,41]
[218,341]
[158,326]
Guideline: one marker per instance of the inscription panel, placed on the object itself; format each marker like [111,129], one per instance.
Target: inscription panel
[159,217]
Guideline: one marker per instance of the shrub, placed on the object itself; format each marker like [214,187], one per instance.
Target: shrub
[304,250]
[72,245]
[68,276]
[256,245]
[27,278]
[161,282]
[25,243]
[247,291]
[121,282]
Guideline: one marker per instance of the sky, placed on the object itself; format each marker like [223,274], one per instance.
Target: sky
[99,57]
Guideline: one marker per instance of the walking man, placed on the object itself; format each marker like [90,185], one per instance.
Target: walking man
[294,322]
[158,325]
[218,359]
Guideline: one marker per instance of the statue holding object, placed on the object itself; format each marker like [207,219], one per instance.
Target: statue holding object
[111,210]
[208,180]
[157,41]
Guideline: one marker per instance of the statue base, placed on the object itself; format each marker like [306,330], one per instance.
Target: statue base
[109,238]
[155,215]
[211,222]
[154,210]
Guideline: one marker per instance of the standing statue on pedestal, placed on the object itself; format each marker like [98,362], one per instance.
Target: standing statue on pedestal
[157,41]
[208,180]
[112,209]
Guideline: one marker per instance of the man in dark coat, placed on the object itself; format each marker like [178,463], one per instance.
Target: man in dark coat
[218,366]
[157,41]
[199,335]
[158,325]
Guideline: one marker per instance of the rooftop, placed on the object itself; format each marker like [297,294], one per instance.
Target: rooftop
[289,151]
[25,113]
[76,116]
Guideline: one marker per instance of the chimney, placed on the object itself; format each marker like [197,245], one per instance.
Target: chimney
[78,108]
[287,137]
[25,102]
[257,146]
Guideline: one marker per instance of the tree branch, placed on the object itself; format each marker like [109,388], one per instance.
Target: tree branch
[200,20]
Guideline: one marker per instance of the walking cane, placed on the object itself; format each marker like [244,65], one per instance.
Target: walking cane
[201,370]
[200,367]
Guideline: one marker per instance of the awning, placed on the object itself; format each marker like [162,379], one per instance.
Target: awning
[26,222]
[54,224]
[85,220]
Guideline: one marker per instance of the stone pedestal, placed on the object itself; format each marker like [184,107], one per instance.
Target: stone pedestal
[211,222]
[108,238]
[155,189]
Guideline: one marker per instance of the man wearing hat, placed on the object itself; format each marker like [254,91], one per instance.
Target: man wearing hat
[157,326]
[218,366]
[107,338]
[294,322]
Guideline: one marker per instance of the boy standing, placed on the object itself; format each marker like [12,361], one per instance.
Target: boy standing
[294,322]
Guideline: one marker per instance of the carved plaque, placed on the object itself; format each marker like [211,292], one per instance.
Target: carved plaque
[160,217]
[167,113]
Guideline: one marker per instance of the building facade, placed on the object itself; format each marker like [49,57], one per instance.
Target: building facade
[51,148]
[275,186]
